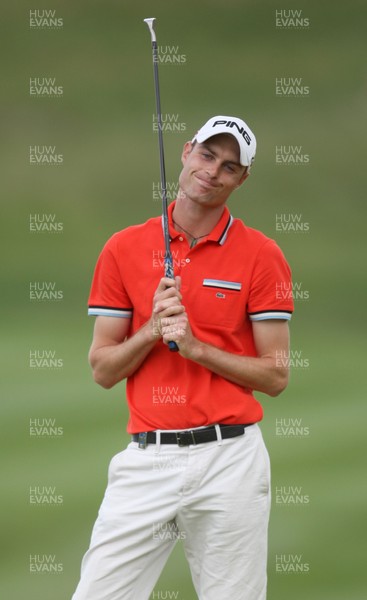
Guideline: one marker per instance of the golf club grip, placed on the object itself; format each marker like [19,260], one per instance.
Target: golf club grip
[168,272]
[173,347]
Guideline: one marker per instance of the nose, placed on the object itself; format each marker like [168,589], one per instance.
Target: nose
[212,170]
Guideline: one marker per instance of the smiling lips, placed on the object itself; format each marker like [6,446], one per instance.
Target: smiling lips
[205,183]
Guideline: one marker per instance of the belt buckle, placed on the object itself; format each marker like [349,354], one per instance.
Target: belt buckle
[185,438]
[142,440]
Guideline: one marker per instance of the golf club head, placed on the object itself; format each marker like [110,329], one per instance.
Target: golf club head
[150,22]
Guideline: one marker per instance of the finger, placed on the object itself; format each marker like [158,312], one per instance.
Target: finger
[167,293]
[171,311]
[165,299]
[173,334]
[177,322]
[174,320]
[166,282]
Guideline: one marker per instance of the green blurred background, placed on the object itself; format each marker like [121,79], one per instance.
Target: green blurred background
[102,125]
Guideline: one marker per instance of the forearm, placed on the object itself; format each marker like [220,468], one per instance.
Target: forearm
[113,363]
[258,373]
[113,356]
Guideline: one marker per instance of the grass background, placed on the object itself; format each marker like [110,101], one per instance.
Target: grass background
[102,125]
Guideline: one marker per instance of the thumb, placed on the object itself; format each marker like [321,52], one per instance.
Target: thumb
[178,282]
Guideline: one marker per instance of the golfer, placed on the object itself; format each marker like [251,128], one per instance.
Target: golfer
[196,468]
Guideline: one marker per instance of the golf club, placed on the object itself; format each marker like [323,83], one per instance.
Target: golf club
[168,261]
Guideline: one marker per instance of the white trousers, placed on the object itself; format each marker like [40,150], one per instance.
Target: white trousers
[215,497]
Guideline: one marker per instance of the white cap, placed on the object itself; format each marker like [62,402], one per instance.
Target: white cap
[233,126]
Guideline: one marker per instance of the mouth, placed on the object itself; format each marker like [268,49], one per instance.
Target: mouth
[205,183]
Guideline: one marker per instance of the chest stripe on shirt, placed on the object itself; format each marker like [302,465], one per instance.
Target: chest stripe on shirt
[222,284]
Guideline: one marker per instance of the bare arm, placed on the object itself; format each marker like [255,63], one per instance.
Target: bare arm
[112,355]
[266,373]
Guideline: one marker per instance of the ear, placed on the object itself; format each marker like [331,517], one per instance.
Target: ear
[186,151]
[243,177]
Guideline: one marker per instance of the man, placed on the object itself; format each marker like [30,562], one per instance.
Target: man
[197,468]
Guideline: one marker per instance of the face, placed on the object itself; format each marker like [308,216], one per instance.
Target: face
[211,170]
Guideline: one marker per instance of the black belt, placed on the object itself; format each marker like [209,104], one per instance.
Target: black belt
[191,436]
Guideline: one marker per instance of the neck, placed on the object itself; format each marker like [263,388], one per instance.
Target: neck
[198,220]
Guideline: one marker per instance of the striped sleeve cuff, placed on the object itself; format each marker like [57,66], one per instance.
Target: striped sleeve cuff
[270,314]
[103,311]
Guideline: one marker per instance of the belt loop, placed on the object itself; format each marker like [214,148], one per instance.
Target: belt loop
[219,434]
[157,441]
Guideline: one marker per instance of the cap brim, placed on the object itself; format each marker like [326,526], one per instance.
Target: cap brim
[203,137]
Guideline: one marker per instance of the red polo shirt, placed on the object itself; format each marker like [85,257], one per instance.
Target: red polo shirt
[228,280]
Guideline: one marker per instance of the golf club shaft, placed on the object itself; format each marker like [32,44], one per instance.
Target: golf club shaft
[168,261]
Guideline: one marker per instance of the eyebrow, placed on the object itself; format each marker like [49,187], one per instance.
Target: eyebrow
[232,162]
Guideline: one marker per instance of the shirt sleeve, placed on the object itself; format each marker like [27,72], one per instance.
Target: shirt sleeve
[270,294]
[108,296]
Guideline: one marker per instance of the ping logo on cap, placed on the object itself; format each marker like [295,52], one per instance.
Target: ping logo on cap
[232,124]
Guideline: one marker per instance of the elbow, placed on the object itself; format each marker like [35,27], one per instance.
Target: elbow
[100,375]
[105,378]
[102,380]
[278,384]
[276,391]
